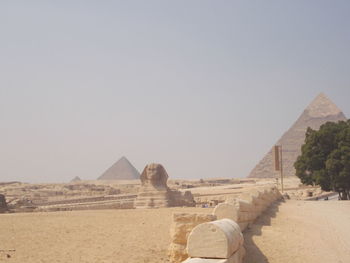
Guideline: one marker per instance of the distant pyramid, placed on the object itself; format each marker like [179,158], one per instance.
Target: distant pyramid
[320,111]
[121,170]
[76,179]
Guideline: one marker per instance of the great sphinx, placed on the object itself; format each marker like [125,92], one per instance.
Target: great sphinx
[154,191]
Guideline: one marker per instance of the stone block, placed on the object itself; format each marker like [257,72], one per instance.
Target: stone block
[235,258]
[182,225]
[217,239]
[225,210]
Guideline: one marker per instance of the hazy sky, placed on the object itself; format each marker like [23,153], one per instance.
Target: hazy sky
[203,87]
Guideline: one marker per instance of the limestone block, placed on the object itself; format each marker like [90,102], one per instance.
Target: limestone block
[217,239]
[177,252]
[235,258]
[182,225]
[246,217]
[251,198]
[193,217]
[225,210]
[244,205]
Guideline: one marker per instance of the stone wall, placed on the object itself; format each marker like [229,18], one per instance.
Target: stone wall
[182,225]
[189,230]
[248,206]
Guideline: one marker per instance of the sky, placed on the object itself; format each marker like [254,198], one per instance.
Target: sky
[203,87]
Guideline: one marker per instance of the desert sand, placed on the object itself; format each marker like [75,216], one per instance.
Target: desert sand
[301,231]
[294,231]
[128,235]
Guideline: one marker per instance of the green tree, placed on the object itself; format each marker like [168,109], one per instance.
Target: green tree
[325,158]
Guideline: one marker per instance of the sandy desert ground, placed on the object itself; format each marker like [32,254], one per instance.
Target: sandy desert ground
[294,231]
[301,231]
[119,236]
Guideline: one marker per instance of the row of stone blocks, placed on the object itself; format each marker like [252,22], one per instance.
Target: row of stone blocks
[217,237]
[248,206]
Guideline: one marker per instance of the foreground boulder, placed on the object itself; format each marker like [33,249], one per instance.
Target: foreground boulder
[217,239]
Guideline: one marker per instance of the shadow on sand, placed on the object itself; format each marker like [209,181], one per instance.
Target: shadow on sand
[254,254]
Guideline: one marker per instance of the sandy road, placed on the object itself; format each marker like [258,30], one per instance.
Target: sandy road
[301,231]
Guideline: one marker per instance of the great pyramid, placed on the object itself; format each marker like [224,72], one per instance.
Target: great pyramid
[320,111]
[121,170]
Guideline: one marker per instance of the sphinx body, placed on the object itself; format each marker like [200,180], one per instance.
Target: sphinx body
[154,191]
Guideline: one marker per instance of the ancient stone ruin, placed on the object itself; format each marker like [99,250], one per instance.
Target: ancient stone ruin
[217,237]
[121,170]
[320,111]
[182,225]
[3,204]
[154,191]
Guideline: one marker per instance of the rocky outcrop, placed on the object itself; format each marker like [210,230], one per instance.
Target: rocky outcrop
[320,111]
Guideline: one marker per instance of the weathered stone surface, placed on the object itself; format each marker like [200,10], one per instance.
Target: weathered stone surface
[217,239]
[178,198]
[244,206]
[235,258]
[154,191]
[225,210]
[182,225]
[320,111]
[193,217]
[177,252]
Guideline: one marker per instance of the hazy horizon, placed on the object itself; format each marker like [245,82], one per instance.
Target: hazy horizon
[203,88]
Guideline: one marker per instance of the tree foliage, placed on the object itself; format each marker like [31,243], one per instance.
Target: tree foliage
[325,158]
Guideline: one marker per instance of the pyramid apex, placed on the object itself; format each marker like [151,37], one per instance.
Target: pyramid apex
[120,170]
[322,106]
[321,95]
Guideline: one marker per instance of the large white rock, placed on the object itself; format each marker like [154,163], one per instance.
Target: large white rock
[225,210]
[235,258]
[217,239]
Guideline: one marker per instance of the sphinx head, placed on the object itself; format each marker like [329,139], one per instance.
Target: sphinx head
[155,175]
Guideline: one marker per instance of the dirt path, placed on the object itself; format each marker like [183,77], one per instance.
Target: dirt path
[301,231]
